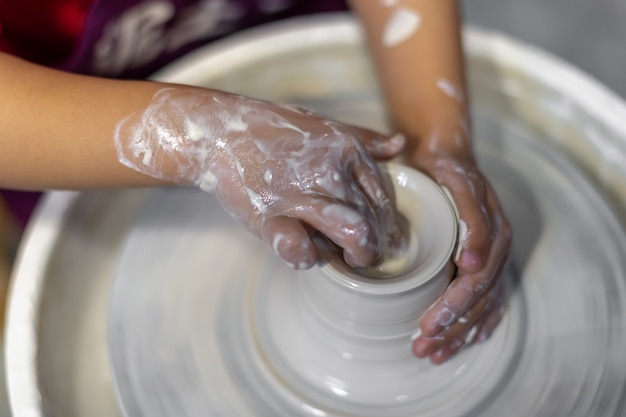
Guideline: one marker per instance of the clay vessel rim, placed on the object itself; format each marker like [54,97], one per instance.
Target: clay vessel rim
[415,278]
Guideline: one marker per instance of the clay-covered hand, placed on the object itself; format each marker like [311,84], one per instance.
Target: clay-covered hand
[472,306]
[281,171]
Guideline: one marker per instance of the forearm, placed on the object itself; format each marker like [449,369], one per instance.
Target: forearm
[56,129]
[422,75]
[416,46]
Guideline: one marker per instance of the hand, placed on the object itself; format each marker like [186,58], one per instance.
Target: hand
[281,171]
[472,305]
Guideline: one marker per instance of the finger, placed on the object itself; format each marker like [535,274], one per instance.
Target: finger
[493,297]
[469,197]
[461,340]
[425,346]
[471,335]
[466,290]
[291,241]
[447,351]
[476,241]
[379,193]
[492,319]
[380,146]
[356,233]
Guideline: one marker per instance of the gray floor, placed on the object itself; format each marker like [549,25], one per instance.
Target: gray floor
[590,34]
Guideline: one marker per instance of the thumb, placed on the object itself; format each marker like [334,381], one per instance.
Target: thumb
[383,146]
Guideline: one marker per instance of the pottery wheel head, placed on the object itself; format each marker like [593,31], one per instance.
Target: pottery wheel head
[204,321]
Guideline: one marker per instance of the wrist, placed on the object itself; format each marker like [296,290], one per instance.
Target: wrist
[450,139]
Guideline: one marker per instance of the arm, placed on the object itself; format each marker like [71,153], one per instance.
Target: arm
[421,73]
[56,128]
[417,50]
[279,170]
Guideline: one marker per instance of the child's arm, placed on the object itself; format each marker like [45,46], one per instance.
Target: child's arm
[277,169]
[416,47]
[56,128]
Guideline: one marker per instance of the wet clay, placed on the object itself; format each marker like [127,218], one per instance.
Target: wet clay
[176,337]
[213,316]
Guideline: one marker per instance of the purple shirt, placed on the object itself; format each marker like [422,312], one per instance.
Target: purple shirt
[134,38]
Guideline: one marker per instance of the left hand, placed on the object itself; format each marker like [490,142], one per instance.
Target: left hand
[472,305]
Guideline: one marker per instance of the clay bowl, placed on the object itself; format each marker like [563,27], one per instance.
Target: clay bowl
[355,325]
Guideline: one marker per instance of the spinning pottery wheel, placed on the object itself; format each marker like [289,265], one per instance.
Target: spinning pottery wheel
[201,316]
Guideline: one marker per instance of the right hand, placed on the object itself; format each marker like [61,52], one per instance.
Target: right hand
[282,171]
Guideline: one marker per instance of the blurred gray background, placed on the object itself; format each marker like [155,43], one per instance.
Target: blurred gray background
[591,34]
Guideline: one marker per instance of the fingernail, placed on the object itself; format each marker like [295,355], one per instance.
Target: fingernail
[304,265]
[470,260]
[482,336]
[423,350]
[397,140]
[439,356]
